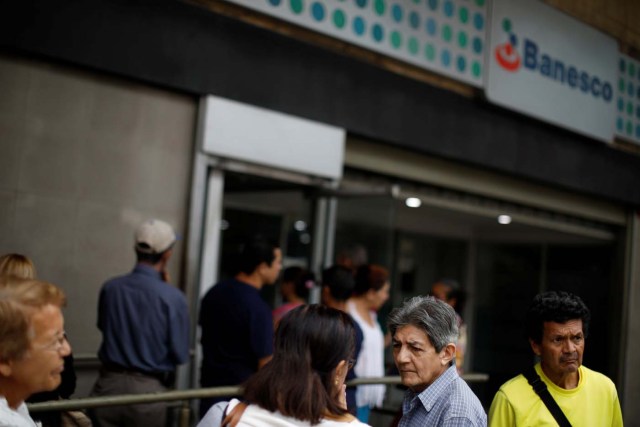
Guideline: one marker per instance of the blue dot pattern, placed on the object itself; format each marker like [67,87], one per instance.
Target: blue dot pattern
[358,25]
[397,12]
[628,103]
[401,29]
[317,10]
[377,32]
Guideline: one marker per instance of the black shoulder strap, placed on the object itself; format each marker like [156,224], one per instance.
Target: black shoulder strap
[541,390]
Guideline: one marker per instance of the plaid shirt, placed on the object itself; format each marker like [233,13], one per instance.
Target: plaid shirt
[447,402]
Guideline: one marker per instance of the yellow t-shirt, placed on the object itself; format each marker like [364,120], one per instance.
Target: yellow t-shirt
[594,403]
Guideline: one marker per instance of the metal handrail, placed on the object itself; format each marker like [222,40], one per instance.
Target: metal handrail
[185,395]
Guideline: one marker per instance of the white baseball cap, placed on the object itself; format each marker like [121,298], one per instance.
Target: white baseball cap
[154,236]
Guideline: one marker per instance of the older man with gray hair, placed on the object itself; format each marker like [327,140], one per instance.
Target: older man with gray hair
[424,332]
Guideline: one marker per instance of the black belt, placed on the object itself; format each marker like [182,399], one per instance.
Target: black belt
[163,377]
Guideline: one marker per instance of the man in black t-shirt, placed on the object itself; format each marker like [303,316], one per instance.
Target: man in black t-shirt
[237,326]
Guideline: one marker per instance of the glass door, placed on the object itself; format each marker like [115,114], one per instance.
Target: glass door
[279,210]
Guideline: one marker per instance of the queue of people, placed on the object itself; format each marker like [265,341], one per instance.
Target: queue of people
[294,374]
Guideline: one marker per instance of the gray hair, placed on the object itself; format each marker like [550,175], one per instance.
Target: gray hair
[436,318]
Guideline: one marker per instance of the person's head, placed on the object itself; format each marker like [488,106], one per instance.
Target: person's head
[297,282]
[154,240]
[446,290]
[337,285]
[352,256]
[32,340]
[372,285]
[17,265]
[557,325]
[258,255]
[424,332]
[313,348]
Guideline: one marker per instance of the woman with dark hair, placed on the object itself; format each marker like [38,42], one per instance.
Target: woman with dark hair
[303,385]
[370,293]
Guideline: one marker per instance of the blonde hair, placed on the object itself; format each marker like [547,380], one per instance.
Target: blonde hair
[19,300]
[17,265]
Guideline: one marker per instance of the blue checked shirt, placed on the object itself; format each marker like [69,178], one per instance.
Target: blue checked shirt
[448,401]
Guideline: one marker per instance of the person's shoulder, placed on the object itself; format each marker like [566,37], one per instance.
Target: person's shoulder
[218,290]
[517,383]
[347,421]
[595,377]
[115,280]
[171,294]
[464,402]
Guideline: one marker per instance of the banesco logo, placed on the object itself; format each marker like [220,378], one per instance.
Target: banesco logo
[508,57]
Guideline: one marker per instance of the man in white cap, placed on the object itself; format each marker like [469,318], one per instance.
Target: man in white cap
[145,331]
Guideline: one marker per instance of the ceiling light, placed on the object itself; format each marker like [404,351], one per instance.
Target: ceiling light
[504,219]
[413,202]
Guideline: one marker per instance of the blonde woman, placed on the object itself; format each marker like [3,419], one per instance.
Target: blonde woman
[17,265]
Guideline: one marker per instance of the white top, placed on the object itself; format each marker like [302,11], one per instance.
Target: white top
[255,416]
[15,418]
[370,361]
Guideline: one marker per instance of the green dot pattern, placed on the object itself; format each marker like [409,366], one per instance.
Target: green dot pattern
[339,18]
[627,99]
[413,46]
[396,39]
[297,6]
[434,34]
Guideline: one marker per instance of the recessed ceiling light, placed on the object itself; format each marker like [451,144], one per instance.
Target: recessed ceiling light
[413,202]
[504,219]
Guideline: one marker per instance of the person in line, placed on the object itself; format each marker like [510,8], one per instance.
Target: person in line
[337,288]
[352,256]
[449,291]
[20,266]
[424,331]
[17,265]
[557,326]
[32,345]
[297,283]
[303,385]
[237,325]
[370,293]
[145,331]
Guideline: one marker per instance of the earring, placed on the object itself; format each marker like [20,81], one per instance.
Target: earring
[336,382]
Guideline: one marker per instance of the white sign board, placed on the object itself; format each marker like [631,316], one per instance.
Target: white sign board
[240,131]
[546,64]
[445,36]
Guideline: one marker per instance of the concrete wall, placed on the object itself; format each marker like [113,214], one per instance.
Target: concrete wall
[85,158]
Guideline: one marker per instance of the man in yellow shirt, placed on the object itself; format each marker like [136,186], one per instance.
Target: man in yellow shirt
[557,326]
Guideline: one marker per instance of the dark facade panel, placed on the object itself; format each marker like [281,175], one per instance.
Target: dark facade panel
[180,46]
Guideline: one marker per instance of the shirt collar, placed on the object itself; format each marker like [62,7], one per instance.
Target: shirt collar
[429,395]
[147,270]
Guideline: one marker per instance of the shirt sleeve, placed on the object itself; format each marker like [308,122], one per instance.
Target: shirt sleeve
[215,415]
[261,327]
[617,413]
[100,322]
[459,422]
[179,330]
[501,413]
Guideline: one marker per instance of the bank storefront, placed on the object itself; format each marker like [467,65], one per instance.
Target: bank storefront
[191,113]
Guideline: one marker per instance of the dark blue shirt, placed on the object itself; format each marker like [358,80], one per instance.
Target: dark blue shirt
[237,331]
[144,322]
